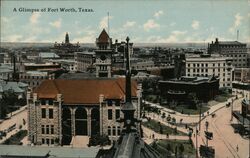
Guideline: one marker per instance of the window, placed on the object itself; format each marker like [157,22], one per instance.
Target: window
[109,130]
[52,129]
[43,141]
[117,114]
[43,130]
[52,141]
[43,102]
[109,102]
[110,114]
[118,130]
[47,129]
[51,113]
[114,131]
[50,102]
[47,141]
[117,103]
[43,113]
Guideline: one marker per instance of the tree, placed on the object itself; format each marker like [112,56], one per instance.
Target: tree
[163,115]
[173,120]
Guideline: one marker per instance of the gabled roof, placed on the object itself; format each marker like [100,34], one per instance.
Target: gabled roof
[103,37]
[86,91]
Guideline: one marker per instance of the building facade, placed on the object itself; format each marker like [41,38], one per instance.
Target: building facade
[61,109]
[234,49]
[177,90]
[206,65]
[84,60]
[35,78]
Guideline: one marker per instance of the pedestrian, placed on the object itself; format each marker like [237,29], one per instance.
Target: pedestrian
[237,148]
[153,136]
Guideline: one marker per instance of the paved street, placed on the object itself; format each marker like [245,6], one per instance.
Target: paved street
[224,139]
[17,118]
[187,118]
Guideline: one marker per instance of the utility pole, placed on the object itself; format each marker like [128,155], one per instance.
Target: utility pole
[196,142]
[200,116]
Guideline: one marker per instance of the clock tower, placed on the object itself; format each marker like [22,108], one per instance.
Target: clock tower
[103,55]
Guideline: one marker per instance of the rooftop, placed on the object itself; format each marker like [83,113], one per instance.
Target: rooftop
[17,87]
[85,91]
[103,37]
[48,55]
[231,43]
[50,152]
[190,80]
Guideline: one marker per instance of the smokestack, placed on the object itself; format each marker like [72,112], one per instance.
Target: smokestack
[238,35]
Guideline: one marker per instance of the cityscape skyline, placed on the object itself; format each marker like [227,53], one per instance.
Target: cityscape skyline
[162,22]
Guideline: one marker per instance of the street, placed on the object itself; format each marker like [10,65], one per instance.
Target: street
[15,119]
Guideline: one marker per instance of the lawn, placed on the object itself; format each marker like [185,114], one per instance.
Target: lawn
[222,97]
[155,126]
[164,146]
[185,110]
[16,138]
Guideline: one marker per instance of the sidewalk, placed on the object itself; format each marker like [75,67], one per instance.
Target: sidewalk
[170,111]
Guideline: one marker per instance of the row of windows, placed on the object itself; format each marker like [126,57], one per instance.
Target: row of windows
[48,130]
[33,77]
[205,65]
[48,141]
[110,114]
[112,131]
[44,111]
[237,55]
[110,102]
[203,70]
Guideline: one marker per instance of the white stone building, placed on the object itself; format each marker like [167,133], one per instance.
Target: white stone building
[206,65]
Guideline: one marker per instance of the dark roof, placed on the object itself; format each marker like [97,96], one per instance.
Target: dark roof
[85,91]
[103,37]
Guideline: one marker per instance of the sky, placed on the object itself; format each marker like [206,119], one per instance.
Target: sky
[144,21]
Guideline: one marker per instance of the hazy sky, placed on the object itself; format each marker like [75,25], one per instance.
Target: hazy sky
[143,20]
